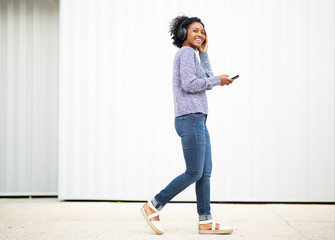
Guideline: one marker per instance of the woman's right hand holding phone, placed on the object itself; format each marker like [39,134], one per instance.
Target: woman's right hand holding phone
[225,80]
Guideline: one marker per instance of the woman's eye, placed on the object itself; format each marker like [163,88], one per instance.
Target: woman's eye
[195,31]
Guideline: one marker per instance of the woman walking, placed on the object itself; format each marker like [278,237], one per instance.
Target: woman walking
[191,79]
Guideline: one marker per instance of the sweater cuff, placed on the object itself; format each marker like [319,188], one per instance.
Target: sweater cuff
[203,55]
[214,81]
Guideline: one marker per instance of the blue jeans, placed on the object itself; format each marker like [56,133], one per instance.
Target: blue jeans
[197,153]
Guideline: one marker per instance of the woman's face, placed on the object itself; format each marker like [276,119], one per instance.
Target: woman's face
[195,35]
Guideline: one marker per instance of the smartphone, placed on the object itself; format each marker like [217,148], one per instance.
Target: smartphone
[237,76]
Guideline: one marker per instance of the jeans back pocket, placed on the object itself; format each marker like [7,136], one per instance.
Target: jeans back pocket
[179,124]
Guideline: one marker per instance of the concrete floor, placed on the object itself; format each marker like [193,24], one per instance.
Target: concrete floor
[48,218]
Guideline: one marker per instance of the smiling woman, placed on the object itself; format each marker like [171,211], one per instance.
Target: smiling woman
[179,29]
[196,37]
[191,79]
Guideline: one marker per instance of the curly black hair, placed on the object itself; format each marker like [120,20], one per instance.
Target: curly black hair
[174,27]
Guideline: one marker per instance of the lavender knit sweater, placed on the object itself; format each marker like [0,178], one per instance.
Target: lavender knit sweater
[191,79]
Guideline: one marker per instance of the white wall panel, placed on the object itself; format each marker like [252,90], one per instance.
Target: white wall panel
[28,97]
[272,130]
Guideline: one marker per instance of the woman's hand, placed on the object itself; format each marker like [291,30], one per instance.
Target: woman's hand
[225,80]
[204,47]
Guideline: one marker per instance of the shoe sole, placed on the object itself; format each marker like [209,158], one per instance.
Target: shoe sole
[156,230]
[227,231]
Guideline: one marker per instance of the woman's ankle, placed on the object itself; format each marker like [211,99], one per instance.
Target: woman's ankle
[150,211]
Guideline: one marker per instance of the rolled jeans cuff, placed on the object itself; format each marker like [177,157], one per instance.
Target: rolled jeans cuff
[205,217]
[157,204]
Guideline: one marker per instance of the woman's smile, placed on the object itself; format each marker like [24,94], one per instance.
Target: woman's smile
[198,40]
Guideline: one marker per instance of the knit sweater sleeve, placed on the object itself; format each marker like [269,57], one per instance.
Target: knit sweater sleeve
[188,74]
[206,66]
